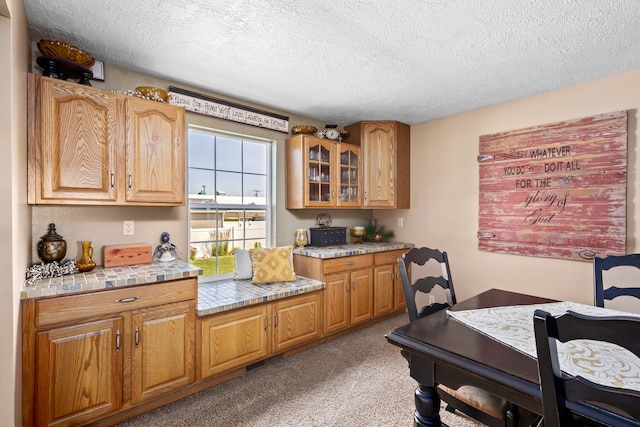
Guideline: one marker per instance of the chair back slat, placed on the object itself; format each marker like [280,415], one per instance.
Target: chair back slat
[426,284]
[608,292]
[564,396]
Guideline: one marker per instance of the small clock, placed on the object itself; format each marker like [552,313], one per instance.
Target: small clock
[330,132]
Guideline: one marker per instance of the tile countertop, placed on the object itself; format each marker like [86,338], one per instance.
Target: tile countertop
[108,278]
[214,297]
[349,250]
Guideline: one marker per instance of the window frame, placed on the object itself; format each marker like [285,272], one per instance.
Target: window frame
[218,208]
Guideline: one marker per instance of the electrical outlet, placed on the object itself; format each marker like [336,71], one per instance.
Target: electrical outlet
[400,222]
[432,299]
[127,228]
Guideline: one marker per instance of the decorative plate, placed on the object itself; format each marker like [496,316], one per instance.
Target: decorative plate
[306,129]
[66,51]
[153,93]
[324,220]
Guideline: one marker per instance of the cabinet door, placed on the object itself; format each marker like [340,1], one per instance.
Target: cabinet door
[336,302]
[361,295]
[348,175]
[78,373]
[398,292]
[155,151]
[319,174]
[383,287]
[73,134]
[296,321]
[379,145]
[162,350]
[233,339]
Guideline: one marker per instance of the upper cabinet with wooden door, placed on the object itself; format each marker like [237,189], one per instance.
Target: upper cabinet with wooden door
[385,163]
[321,173]
[155,152]
[90,146]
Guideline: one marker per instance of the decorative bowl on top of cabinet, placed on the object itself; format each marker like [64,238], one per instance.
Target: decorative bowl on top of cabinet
[91,146]
[385,149]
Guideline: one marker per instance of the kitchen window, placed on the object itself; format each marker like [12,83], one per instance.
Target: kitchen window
[229,198]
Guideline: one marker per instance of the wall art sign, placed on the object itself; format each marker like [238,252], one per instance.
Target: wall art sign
[227,110]
[556,190]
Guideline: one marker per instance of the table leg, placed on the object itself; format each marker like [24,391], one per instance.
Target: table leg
[427,412]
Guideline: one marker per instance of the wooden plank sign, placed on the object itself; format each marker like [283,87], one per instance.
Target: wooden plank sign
[557,190]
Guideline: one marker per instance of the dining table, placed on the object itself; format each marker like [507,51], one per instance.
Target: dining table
[487,341]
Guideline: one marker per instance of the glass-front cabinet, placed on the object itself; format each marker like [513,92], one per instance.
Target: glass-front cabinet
[320,169]
[349,175]
[321,173]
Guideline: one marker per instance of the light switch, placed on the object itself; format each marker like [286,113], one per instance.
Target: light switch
[400,222]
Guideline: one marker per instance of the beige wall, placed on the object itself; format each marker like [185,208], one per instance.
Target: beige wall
[16,221]
[444,189]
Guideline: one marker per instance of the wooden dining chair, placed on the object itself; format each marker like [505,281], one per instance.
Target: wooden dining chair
[572,400]
[474,402]
[613,291]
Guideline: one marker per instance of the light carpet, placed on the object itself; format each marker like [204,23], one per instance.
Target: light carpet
[357,380]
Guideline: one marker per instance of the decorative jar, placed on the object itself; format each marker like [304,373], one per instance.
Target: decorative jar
[52,247]
[302,238]
[85,263]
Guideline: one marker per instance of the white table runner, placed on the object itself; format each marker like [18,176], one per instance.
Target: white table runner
[600,362]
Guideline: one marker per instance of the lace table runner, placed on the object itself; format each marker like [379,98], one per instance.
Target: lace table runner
[600,362]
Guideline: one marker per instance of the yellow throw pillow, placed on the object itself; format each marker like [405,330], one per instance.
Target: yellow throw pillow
[272,265]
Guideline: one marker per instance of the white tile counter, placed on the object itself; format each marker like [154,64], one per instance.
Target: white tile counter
[349,250]
[108,278]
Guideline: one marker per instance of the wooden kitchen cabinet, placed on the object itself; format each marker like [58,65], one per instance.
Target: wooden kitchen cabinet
[237,338]
[233,339]
[348,295]
[88,356]
[389,295]
[385,163]
[321,173]
[361,299]
[357,288]
[296,320]
[78,372]
[162,350]
[95,147]
[155,152]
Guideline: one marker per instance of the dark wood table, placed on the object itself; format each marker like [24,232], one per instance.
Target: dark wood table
[445,351]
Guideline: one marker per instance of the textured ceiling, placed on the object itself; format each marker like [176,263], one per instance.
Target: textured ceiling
[350,60]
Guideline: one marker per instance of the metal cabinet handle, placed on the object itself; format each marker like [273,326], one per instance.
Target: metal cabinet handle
[275,320]
[118,340]
[130,181]
[349,263]
[137,336]
[354,285]
[113,180]
[266,322]
[127,299]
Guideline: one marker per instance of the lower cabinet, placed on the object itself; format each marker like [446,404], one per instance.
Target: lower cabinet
[240,337]
[358,288]
[233,339]
[389,295]
[87,356]
[296,320]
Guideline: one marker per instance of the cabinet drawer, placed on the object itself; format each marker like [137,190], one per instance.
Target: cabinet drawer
[346,263]
[389,257]
[81,306]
